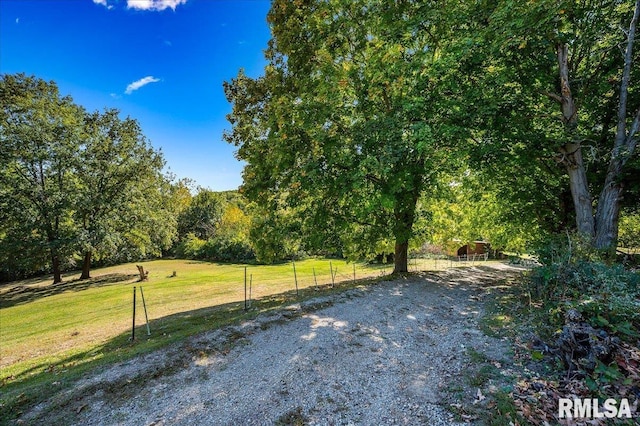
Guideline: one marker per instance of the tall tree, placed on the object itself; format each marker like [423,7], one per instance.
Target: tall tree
[40,134]
[566,69]
[115,163]
[351,121]
[72,181]
[624,146]
[149,224]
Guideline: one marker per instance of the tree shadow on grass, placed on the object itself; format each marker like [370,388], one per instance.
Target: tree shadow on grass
[61,382]
[21,294]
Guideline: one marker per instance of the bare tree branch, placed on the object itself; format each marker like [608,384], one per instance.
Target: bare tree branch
[621,134]
[553,96]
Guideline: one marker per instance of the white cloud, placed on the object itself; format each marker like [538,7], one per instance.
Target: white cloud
[103,3]
[138,84]
[154,4]
[17,20]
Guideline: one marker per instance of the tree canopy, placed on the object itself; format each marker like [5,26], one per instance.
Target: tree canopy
[366,107]
[40,133]
[559,79]
[116,170]
[351,122]
[75,182]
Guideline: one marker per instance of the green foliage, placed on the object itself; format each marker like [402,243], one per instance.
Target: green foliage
[228,249]
[629,234]
[573,276]
[76,183]
[40,136]
[203,215]
[190,247]
[119,173]
[524,122]
[468,207]
[560,249]
[352,121]
[275,235]
[215,227]
[508,411]
[221,248]
[603,375]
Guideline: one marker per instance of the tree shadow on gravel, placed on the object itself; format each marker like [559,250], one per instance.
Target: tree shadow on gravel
[479,275]
[21,294]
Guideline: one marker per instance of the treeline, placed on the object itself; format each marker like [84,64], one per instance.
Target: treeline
[79,188]
[215,226]
[376,127]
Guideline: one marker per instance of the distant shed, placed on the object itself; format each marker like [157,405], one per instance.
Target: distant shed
[476,247]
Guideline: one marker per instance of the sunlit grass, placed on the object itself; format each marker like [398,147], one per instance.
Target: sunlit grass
[46,326]
[51,335]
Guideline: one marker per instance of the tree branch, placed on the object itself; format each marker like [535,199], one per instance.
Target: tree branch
[621,136]
[371,178]
[635,126]
[553,96]
[631,141]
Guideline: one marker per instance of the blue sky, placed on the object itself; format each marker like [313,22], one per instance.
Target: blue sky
[161,62]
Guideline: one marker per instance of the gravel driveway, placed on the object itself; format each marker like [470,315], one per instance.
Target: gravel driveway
[382,354]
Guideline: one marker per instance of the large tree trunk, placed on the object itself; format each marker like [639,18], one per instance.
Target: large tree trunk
[571,153]
[404,215]
[400,259]
[86,266]
[579,186]
[607,216]
[55,266]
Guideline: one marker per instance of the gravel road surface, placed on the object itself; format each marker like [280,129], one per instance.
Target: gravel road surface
[384,354]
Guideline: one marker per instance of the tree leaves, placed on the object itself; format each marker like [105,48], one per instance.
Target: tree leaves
[74,181]
[347,122]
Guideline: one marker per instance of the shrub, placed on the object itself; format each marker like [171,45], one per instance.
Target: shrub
[573,276]
[220,248]
[191,247]
[224,249]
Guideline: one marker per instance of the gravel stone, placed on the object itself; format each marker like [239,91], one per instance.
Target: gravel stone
[380,354]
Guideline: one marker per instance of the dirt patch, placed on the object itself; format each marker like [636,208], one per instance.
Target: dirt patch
[389,353]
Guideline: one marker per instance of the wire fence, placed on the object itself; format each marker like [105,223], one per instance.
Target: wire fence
[120,304]
[418,264]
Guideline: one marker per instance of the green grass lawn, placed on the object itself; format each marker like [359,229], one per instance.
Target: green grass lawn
[52,334]
[42,325]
